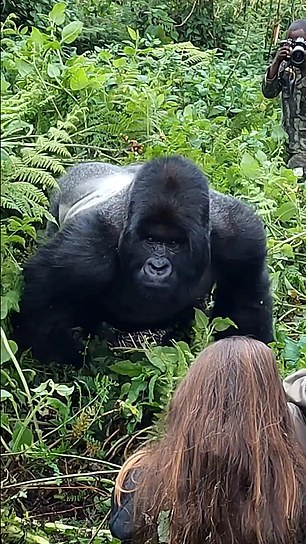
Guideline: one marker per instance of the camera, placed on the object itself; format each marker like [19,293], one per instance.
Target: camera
[298,54]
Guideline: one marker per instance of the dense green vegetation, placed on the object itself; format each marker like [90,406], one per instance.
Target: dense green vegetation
[121,81]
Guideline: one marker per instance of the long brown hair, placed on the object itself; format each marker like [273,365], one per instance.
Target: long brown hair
[229,468]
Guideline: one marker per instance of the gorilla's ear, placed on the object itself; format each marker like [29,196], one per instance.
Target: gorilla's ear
[127,221]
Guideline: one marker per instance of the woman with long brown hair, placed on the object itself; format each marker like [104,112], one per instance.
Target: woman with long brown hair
[229,469]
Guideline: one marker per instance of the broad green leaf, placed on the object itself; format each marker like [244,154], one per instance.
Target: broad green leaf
[4,84]
[126,368]
[151,387]
[53,70]
[4,308]
[201,319]
[138,385]
[64,390]
[57,14]
[249,166]
[261,156]
[188,111]
[154,356]
[160,99]
[278,134]
[24,67]
[291,351]
[128,50]
[286,211]
[5,355]
[37,36]
[287,251]
[119,63]
[133,33]
[221,324]
[78,80]
[4,394]
[22,437]
[71,31]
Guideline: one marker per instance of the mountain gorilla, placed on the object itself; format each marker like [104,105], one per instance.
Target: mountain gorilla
[140,246]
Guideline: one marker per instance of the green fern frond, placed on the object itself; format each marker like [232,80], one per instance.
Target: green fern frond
[193,54]
[24,198]
[59,135]
[36,159]
[36,176]
[54,147]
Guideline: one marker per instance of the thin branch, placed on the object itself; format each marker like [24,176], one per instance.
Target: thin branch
[77,476]
[188,16]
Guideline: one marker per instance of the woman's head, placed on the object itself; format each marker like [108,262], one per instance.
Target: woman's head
[229,464]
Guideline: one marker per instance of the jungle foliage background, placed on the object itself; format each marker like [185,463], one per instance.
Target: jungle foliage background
[125,81]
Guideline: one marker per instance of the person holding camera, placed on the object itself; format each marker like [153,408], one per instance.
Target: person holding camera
[287,75]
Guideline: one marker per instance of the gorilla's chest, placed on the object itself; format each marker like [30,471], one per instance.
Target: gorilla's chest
[132,309]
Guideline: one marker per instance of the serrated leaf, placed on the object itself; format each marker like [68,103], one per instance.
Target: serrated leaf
[71,31]
[57,14]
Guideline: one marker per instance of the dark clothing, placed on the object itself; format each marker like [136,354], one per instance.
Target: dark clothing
[121,517]
[124,528]
[292,85]
[122,523]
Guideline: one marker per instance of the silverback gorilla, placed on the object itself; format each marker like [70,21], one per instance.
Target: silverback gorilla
[139,246]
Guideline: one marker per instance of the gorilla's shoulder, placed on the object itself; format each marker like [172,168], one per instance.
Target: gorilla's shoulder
[237,233]
[91,186]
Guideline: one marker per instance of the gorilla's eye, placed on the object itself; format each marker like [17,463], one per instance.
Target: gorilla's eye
[173,243]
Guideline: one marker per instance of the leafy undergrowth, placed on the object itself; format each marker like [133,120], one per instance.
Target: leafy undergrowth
[65,432]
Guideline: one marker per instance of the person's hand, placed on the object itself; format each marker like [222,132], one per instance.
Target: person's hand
[283,53]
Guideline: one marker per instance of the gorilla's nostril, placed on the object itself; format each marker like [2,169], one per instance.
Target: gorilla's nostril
[158,267]
[161,264]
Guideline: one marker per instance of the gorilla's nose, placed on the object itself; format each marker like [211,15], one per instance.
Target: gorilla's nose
[158,267]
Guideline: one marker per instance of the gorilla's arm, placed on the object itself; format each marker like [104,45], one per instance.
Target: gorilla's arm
[64,285]
[239,262]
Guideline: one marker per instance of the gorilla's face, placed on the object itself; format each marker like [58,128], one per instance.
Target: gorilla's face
[165,246]
[162,248]
[160,262]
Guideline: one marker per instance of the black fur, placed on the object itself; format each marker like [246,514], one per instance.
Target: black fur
[143,257]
